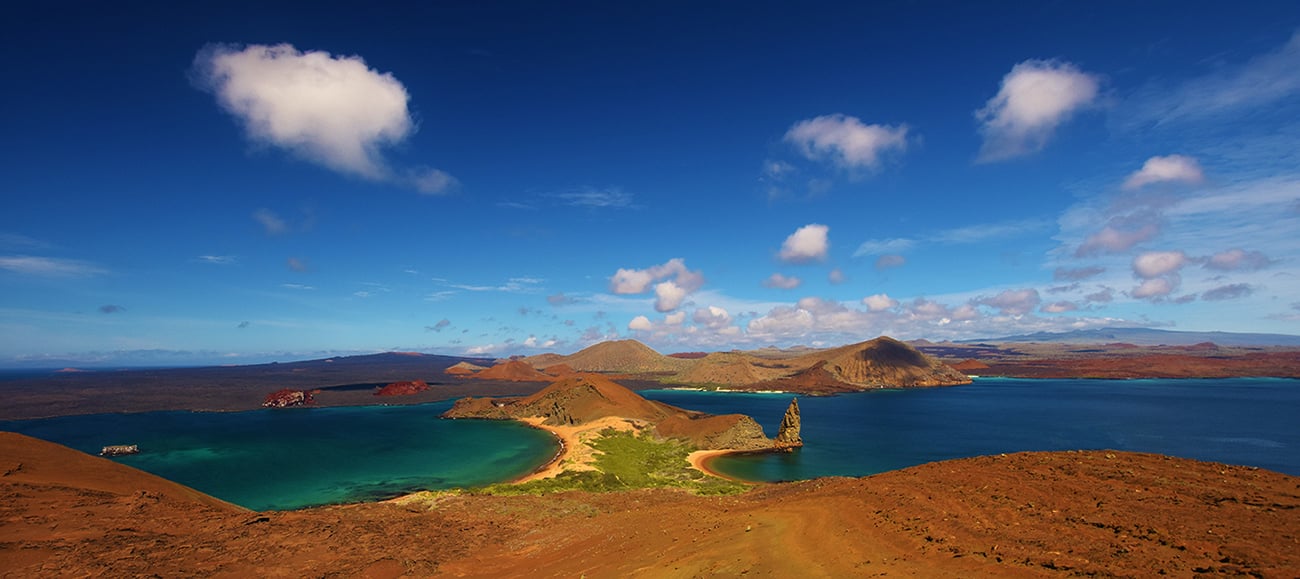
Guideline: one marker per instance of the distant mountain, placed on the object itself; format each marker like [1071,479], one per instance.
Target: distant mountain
[1148,337]
[620,356]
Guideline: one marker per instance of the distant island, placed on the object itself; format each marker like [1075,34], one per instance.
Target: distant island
[881,362]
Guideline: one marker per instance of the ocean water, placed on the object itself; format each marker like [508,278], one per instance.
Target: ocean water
[1237,421]
[288,459]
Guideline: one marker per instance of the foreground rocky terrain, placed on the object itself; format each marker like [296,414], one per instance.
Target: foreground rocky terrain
[64,513]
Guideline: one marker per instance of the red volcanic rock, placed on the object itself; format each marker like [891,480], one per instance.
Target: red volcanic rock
[969,366]
[689,355]
[559,370]
[286,397]
[513,371]
[403,388]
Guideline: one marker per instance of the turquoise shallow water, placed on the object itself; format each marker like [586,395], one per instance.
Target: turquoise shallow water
[287,459]
[1235,421]
[293,458]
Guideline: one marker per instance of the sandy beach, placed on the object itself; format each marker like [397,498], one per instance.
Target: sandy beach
[575,454]
[700,461]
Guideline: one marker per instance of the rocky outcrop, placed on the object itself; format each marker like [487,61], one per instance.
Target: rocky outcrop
[584,398]
[406,388]
[787,436]
[286,397]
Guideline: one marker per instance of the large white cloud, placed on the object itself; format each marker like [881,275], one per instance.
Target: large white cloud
[1157,263]
[846,141]
[1035,98]
[806,244]
[712,317]
[332,110]
[879,302]
[669,296]
[636,281]
[1168,169]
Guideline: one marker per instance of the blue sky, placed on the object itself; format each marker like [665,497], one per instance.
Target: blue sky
[204,183]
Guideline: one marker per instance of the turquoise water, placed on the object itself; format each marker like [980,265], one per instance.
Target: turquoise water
[1236,421]
[293,458]
[288,459]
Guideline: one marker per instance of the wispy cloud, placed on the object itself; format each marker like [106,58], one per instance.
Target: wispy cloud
[959,236]
[296,286]
[272,223]
[1231,89]
[590,198]
[49,266]
[218,259]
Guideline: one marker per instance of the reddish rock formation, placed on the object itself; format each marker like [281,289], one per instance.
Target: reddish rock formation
[969,366]
[463,369]
[513,371]
[559,370]
[403,388]
[286,397]
[787,435]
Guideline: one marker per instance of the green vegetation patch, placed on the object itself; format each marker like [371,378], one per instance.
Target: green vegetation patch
[628,461]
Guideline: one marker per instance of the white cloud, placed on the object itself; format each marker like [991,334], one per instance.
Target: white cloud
[1168,169]
[640,323]
[1035,98]
[669,296]
[675,319]
[1012,302]
[779,281]
[1076,273]
[635,281]
[836,276]
[712,317]
[432,181]
[49,266]
[1060,307]
[1230,291]
[331,110]
[1154,264]
[1114,239]
[1155,287]
[890,261]
[879,302]
[1238,260]
[846,141]
[270,222]
[806,244]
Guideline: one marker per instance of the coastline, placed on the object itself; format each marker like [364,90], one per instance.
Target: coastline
[700,460]
[574,454]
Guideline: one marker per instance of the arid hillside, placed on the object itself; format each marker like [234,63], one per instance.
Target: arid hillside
[1059,514]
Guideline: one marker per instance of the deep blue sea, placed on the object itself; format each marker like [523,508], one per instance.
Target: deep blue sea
[1250,421]
[285,459]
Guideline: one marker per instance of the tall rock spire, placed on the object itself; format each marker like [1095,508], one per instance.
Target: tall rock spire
[787,437]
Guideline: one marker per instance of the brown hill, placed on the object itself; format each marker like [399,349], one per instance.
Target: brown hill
[33,462]
[463,369]
[513,371]
[584,398]
[732,369]
[624,357]
[813,380]
[886,363]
